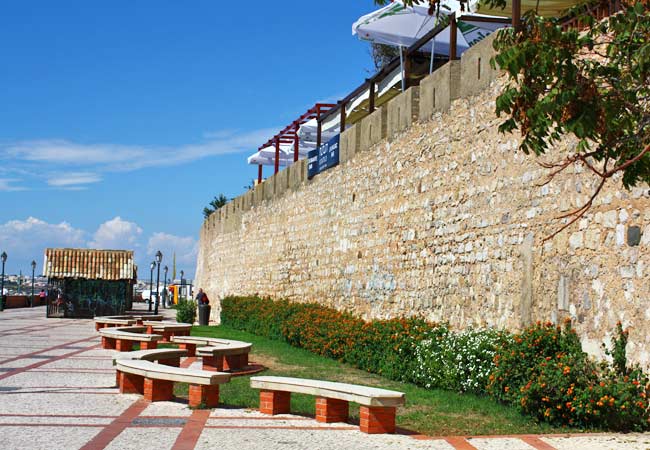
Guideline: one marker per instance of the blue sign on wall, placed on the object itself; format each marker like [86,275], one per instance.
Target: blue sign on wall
[333,151]
[312,164]
[323,152]
[326,156]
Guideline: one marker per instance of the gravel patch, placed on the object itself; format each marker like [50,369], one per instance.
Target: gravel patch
[145,438]
[602,442]
[47,438]
[500,444]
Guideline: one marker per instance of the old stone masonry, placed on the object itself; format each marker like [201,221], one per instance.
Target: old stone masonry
[433,212]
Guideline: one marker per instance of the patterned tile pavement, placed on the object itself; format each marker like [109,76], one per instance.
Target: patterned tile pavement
[57,391]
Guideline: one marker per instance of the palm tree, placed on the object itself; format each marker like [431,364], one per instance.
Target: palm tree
[214,205]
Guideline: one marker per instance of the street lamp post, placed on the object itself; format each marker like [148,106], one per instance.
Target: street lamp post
[31,303]
[153,266]
[2,282]
[182,283]
[165,269]
[158,261]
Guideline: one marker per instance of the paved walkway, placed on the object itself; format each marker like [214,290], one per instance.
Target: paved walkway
[57,391]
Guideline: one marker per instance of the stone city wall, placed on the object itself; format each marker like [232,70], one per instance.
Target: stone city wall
[432,212]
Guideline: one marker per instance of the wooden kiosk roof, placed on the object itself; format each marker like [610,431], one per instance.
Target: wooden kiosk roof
[89,264]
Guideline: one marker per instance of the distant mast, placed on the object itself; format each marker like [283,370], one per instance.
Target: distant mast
[174,268]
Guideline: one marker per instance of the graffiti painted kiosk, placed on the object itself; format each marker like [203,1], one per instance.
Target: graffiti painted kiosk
[88,283]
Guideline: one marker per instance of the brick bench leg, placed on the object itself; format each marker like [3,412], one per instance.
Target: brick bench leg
[207,395]
[108,343]
[149,329]
[191,349]
[148,345]
[275,402]
[122,345]
[98,326]
[131,384]
[138,322]
[175,362]
[213,363]
[158,390]
[377,419]
[330,410]
[117,378]
[167,336]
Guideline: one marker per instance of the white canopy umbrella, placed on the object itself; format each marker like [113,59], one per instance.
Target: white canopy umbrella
[309,130]
[265,159]
[402,26]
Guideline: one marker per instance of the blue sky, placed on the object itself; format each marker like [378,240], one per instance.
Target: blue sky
[120,120]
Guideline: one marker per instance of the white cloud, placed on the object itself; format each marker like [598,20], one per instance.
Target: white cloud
[7,184]
[26,240]
[118,158]
[116,234]
[185,247]
[72,180]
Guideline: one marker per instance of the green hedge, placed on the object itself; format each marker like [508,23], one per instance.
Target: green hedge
[542,370]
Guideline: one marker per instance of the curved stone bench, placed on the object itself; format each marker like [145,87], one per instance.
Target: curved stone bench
[168,329]
[377,411]
[190,343]
[156,382]
[225,356]
[121,339]
[166,356]
[140,319]
[112,321]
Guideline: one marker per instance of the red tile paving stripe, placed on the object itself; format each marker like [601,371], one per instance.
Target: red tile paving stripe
[96,371]
[537,443]
[191,432]
[104,437]
[187,362]
[460,443]
[31,329]
[56,347]
[73,416]
[65,425]
[46,361]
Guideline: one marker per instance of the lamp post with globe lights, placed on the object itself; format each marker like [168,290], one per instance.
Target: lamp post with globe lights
[3,257]
[165,269]
[31,303]
[182,283]
[159,257]
[153,266]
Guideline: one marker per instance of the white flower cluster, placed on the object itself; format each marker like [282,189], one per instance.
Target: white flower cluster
[456,361]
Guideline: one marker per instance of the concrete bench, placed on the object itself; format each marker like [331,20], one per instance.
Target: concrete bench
[112,321]
[140,319]
[156,382]
[377,411]
[121,339]
[222,357]
[190,343]
[168,329]
[166,356]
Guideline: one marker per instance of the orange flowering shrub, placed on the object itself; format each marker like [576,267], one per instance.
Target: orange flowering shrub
[382,346]
[542,370]
[546,374]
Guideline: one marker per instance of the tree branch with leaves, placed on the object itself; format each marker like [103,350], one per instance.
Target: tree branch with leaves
[593,85]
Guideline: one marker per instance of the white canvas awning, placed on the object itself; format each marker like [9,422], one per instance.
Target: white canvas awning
[402,26]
